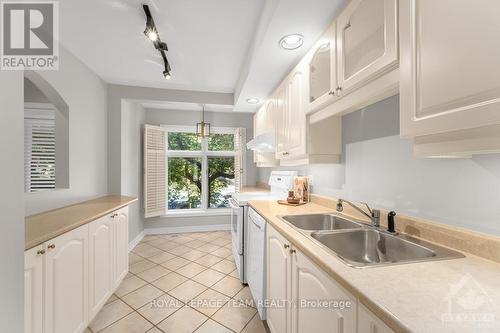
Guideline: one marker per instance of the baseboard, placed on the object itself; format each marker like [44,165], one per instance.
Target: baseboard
[135,241]
[194,228]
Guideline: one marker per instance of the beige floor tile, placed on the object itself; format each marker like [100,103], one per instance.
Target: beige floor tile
[209,248]
[208,260]
[195,243]
[230,257]
[109,314]
[208,238]
[193,255]
[208,302]
[191,269]
[221,241]
[179,249]
[129,285]
[111,298]
[187,290]
[147,253]
[141,266]
[245,297]
[143,248]
[224,266]
[149,238]
[167,246]
[153,273]
[133,323]
[211,326]
[196,235]
[87,330]
[208,277]
[255,325]
[176,263]
[222,252]
[162,257]
[234,274]
[229,246]
[169,281]
[154,330]
[133,258]
[185,320]
[129,275]
[160,308]
[141,296]
[182,239]
[234,317]
[229,286]
[157,241]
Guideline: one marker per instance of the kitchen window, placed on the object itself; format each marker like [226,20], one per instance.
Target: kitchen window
[202,172]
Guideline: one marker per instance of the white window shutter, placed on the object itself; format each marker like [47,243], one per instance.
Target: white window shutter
[239,158]
[155,171]
[39,150]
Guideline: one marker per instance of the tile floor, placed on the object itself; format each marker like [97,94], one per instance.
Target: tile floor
[180,283]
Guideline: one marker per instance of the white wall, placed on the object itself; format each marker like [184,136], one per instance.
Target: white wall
[86,95]
[378,167]
[11,202]
[133,118]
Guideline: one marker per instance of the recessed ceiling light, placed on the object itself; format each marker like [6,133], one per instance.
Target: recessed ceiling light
[252,100]
[292,42]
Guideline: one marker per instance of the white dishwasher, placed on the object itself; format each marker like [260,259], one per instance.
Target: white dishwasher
[256,251]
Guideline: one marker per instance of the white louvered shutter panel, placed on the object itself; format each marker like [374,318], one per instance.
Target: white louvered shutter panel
[39,150]
[239,158]
[155,170]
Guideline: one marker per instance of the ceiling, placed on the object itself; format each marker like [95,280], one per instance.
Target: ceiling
[228,46]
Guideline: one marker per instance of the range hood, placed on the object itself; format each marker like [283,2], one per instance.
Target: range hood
[263,143]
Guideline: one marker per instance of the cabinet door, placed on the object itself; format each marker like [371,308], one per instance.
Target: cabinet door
[369,323]
[310,284]
[297,114]
[120,228]
[66,282]
[278,281]
[281,115]
[100,263]
[366,41]
[322,71]
[449,65]
[33,290]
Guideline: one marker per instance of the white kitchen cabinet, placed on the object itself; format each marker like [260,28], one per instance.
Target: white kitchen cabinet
[369,323]
[120,250]
[68,279]
[292,281]
[278,283]
[100,263]
[33,289]
[367,42]
[299,142]
[450,83]
[66,282]
[310,284]
[265,123]
[322,70]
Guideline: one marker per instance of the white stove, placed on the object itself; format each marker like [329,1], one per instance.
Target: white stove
[280,182]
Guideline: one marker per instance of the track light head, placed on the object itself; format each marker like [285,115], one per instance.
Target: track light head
[151,34]
[167,75]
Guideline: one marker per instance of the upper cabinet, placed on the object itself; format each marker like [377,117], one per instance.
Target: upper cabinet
[323,70]
[264,122]
[450,82]
[367,44]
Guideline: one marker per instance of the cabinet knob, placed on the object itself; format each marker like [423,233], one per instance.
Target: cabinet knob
[292,251]
[52,246]
[286,153]
[40,252]
[331,92]
[286,246]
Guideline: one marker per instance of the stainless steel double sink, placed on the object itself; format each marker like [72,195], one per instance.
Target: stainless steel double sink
[360,245]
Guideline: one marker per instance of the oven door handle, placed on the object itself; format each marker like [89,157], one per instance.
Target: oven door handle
[255,224]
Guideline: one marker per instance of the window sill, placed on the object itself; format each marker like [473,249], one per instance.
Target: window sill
[194,213]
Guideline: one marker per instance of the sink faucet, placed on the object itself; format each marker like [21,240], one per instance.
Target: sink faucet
[374,215]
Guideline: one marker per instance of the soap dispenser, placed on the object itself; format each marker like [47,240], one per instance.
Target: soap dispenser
[391,227]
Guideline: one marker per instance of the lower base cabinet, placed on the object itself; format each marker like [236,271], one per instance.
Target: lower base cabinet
[302,298]
[69,278]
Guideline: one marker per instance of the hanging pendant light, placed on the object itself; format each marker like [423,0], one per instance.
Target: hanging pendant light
[203,128]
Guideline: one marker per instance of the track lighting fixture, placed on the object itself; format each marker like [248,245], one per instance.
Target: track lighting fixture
[151,32]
